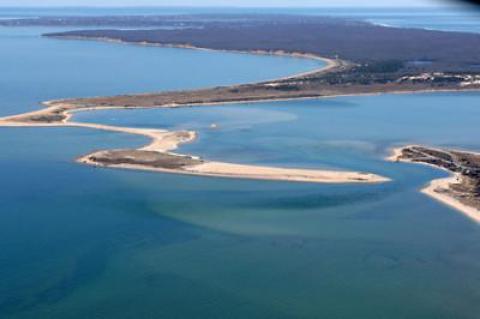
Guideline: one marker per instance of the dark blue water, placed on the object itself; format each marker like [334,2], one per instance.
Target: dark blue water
[79,242]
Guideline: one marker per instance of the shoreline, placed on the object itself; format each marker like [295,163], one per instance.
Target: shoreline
[164,142]
[329,63]
[439,189]
[252,172]
[50,105]
[59,113]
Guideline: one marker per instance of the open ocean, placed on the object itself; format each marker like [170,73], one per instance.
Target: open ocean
[79,242]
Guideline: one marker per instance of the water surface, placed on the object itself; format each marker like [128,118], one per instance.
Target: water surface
[79,242]
[36,69]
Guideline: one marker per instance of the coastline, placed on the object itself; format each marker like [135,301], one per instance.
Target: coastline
[440,189]
[52,105]
[164,142]
[253,172]
[329,63]
[59,113]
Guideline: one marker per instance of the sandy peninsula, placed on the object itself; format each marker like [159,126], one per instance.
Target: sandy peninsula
[190,165]
[158,154]
[346,73]
[461,190]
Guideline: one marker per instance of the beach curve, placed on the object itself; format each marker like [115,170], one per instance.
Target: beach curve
[460,189]
[158,155]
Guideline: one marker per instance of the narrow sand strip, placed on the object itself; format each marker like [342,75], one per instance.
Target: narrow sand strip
[287,174]
[164,141]
[59,113]
[161,140]
[238,171]
[439,190]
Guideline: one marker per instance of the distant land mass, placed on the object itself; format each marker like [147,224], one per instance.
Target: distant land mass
[348,39]
[364,58]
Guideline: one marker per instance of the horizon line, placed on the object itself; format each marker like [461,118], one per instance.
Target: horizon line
[236,6]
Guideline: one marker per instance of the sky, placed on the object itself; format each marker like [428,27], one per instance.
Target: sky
[240,3]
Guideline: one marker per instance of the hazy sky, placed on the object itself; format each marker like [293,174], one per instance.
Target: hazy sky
[245,3]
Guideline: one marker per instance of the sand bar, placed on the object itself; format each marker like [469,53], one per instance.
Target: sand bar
[286,174]
[158,151]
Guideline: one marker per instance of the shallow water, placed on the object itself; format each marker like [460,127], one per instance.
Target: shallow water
[79,242]
[365,124]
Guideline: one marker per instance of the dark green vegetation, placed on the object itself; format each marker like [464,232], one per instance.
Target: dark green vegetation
[359,42]
[370,58]
[145,158]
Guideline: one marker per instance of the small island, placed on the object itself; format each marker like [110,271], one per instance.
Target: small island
[159,155]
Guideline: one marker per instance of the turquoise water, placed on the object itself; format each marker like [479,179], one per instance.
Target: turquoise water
[79,242]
